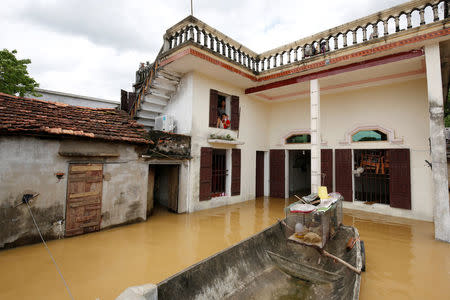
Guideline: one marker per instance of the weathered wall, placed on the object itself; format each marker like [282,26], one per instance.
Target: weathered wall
[28,165]
[124,188]
[252,129]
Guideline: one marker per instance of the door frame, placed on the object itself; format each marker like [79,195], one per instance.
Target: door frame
[179,163]
[265,172]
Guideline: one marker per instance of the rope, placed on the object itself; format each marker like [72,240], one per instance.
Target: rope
[48,250]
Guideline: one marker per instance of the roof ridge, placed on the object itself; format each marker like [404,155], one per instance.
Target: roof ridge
[56,103]
[28,116]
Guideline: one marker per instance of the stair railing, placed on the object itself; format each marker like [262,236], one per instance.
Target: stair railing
[148,81]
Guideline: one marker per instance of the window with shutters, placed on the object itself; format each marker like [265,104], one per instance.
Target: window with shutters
[223,111]
[219,172]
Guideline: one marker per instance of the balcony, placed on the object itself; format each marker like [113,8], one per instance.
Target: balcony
[369,29]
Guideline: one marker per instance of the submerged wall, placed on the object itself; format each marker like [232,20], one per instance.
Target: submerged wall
[401,107]
[29,165]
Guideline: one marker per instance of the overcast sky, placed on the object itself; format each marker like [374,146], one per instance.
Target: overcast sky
[94,47]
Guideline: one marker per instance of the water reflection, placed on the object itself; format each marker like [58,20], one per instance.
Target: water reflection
[403,260]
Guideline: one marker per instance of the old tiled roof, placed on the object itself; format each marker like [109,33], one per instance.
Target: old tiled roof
[25,116]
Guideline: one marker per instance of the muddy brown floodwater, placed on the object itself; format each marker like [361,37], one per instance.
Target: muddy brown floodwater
[403,259]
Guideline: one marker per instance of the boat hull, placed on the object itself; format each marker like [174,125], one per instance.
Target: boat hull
[247,271]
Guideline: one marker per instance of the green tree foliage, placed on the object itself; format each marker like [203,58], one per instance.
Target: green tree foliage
[14,78]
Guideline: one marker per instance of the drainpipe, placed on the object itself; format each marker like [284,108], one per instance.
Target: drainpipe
[315,135]
[441,211]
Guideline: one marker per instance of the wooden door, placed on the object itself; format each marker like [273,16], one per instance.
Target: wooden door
[235,172]
[400,178]
[84,198]
[172,203]
[344,173]
[326,158]
[277,181]
[259,174]
[205,174]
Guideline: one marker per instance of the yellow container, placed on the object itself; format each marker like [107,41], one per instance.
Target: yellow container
[323,193]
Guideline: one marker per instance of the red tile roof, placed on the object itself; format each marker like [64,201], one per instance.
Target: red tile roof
[25,116]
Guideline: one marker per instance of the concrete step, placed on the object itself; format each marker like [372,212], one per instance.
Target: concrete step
[155,100]
[168,76]
[151,107]
[167,73]
[146,122]
[156,91]
[168,88]
[157,95]
[148,115]
[165,82]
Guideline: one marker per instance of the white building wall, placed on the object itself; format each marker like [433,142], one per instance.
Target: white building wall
[180,106]
[401,107]
[252,131]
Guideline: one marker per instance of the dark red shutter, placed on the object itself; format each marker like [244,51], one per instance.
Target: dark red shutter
[124,100]
[344,173]
[277,183]
[205,173]
[131,99]
[234,113]
[259,174]
[400,178]
[326,158]
[213,101]
[235,172]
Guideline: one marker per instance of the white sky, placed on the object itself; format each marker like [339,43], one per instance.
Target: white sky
[93,48]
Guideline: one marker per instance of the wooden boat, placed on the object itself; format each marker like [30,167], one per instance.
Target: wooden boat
[269,266]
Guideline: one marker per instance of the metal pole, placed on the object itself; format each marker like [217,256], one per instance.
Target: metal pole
[192,9]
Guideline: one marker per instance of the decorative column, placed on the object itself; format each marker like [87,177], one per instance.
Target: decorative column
[441,211]
[315,135]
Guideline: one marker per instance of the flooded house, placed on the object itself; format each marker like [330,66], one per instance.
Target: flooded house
[83,166]
[357,108]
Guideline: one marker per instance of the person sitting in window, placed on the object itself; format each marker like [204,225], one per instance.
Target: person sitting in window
[221,108]
[223,121]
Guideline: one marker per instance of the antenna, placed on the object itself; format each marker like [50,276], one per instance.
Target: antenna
[192,9]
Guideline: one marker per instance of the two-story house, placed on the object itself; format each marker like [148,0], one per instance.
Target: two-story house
[357,108]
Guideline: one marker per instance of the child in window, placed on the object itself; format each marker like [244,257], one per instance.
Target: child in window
[225,121]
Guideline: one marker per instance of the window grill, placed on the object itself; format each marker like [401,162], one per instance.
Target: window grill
[372,185]
[219,172]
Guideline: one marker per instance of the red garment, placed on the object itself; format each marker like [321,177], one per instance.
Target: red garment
[226,124]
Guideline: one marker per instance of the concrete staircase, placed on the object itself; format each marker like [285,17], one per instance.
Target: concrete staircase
[162,87]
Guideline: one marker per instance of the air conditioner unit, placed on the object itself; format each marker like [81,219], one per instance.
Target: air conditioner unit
[164,123]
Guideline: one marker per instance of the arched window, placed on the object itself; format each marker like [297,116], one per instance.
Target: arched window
[369,135]
[299,139]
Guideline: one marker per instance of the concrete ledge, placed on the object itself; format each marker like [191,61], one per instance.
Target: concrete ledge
[387,210]
[219,141]
[140,292]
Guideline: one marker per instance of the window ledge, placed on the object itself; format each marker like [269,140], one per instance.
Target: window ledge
[219,141]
